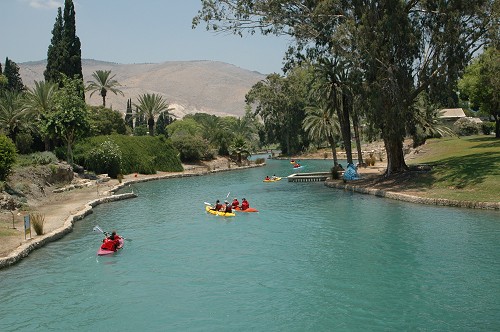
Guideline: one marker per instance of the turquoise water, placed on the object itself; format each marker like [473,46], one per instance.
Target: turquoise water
[312,259]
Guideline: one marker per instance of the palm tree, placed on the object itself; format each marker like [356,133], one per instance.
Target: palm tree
[12,113]
[102,83]
[239,148]
[321,122]
[150,106]
[40,101]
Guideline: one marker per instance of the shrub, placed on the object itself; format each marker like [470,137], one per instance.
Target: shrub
[488,127]
[37,220]
[43,158]
[191,148]
[142,154]
[465,127]
[107,158]
[260,161]
[7,156]
[24,142]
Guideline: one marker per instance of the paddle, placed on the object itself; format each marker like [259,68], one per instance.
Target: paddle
[99,229]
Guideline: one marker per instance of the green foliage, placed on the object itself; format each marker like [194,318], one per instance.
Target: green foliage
[24,140]
[106,158]
[11,72]
[37,220]
[141,130]
[488,127]
[465,127]
[140,154]
[150,106]
[69,121]
[64,55]
[103,83]
[105,121]
[191,148]
[7,156]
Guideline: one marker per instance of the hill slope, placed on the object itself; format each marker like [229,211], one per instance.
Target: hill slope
[188,86]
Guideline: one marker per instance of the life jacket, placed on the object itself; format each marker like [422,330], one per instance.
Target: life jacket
[110,245]
[245,205]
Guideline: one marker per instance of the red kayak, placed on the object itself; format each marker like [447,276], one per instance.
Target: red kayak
[247,210]
[103,252]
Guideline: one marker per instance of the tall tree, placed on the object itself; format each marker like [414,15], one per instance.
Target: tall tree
[12,113]
[72,65]
[151,106]
[401,46]
[39,102]
[103,83]
[322,122]
[64,55]
[481,85]
[11,72]
[55,51]
[69,121]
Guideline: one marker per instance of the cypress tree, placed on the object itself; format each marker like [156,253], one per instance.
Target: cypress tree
[55,51]
[73,63]
[128,115]
[64,55]
[14,81]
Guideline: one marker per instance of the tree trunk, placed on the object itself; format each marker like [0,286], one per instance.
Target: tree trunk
[151,126]
[395,156]
[345,125]
[497,126]
[333,144]
[103,94]
[355,125]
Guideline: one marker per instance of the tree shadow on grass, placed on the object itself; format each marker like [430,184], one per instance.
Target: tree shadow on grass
[468,170]
[487,142]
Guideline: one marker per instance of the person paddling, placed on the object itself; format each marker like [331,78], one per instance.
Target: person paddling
[244,204]
[111,242]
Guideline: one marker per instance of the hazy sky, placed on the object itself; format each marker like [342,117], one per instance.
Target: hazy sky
[133,31]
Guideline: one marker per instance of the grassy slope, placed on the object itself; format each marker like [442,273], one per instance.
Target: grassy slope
[466,168]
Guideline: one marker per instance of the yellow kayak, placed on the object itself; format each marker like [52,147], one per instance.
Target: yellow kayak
[218,213]
[272,180]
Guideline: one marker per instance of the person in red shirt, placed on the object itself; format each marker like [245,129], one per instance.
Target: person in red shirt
[244,204]
[111,242]
[235,203]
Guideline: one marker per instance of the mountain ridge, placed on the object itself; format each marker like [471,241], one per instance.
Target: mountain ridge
[189,87]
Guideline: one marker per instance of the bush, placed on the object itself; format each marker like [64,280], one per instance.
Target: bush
[488,127]
[107,158]
[7,156]
[143,154]
[37,220]
[465,127]
[191,148]
[43,158]
[260,161]
[24,142]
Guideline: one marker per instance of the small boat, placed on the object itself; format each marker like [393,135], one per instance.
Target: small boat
[272,180]
[247,210]
[103,252]
[210,210]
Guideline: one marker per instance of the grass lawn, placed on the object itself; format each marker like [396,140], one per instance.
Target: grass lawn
[466,168]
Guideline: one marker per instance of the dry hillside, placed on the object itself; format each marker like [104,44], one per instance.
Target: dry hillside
[188,86]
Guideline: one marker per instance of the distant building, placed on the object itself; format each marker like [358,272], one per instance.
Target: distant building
[452,114]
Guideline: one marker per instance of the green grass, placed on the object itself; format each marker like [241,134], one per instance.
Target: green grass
[466,169]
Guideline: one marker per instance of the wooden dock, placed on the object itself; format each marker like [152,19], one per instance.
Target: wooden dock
[309,177]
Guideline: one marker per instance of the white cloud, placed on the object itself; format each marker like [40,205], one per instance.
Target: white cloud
[45,4]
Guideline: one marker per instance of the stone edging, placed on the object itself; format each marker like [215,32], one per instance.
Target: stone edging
[34,243]
[415,199]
